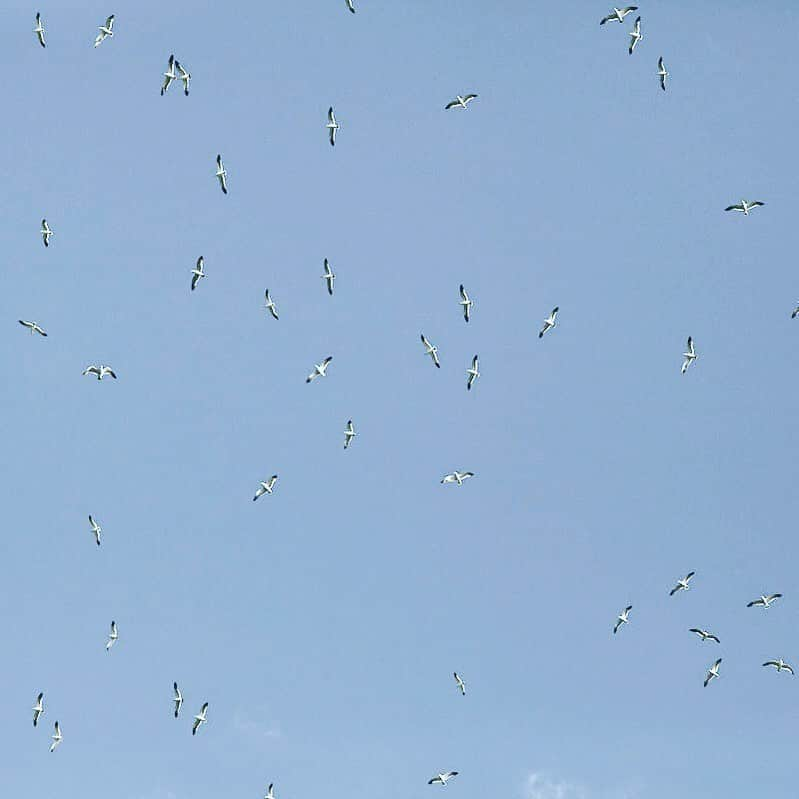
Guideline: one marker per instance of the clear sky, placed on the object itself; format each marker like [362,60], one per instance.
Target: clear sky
[323,623]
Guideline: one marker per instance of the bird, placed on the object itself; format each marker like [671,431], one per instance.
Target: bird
[112,636]
[795,311]
[349,434]
[689,355]
[200,719]
[456,477]
[177,698]
[184,76]
[96,529]
[466,303]
[618,14]
[431,351]
[269,794]
[351,6]
[460,101]
[197,272]
[46,233]
[33,327]
[329,277]
[332,126]
[745,206]
[265,487]
[636,35]
[622,618]
[319,369]
[105,31]
[221,174]
[39,29]
[169,75]
[780,665]
[764,600]
[270,305]
[443,778]
[38,708]
[473,373]
[100,371]
[662,73]
[460,683]
[712,672]
[57,737]
[549,322]
[682,585]
[704,634]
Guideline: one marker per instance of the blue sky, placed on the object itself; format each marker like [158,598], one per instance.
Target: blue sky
[323,623]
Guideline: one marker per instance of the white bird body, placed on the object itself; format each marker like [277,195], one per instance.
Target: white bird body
[618,14]
[780,665]
[270,305]
[38,708]
[96,529]
[46,233]
[332,126]
[712,672]
[200,719]
[689,356]
[662,73]
[33,327]
[682,585]
[105,31]
[349,434]
[460,101]
[744,206]
[39,29]
[549,322]
[169,75]
[112,636]
[473,373]
[704,635]
[198,272]
[764,600]
[329,277]
[442,778]
[57,737]
[265,487]
[221,174]
[457,477]
[319,370]
[466,303]
[635,34]
[622,618]
[269,794]
[100,371]
[460,683]
[431,351]
[177,698]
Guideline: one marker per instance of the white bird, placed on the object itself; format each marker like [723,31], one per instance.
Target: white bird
[473,373]
[39,29]
[682,585]
[622,618]
[351,6]
[46,233]
[349,434]
[466,303]
[460,683]
[764,600]
[57,738]
[197,273]
[33,327]
[431,351]
[169,75]
[618,14]
[780,665]
[100,371]
[270,305]
[184,76]
[96,529]
[460,101]
[712,672]
[689,355]
[319,369]
[329,277]
[704,635]
[221,174]
[443,778]
[549,322]
[269,793]
[105,31]
[265,487]
[636,35]
[332,126]
[662,73]
[456,477]
[38,708]
[177,698]
[200,719]
[744,206]
[112,636]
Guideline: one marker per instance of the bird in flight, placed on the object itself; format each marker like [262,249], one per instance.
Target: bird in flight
[622,618]
[763,601]
[46,233]
[744,206]
[465,303]
[473,373]
[265,487]
[704,634]
[270,305]
[200,719]
[169,75]
[39,29]
[332,126]
[780,665]
[351,6]
[177,698]
[443,778]
[682,585]
[197,273]
[456,477]
[431,351]
[57,737]
[349,434]
[618,14]
[184,76]
[221,174]
[112,636]
[636,34]
[33,327]
[662,73]
[38,708]
[460,101]
[689,356]
[712,672]
[319,369]
[549,322]
[100,371]
[105,31]
[269,793]
[460,683]
[96,529]
[329,277]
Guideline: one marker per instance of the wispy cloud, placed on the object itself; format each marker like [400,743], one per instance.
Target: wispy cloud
[256,728]
[540,786]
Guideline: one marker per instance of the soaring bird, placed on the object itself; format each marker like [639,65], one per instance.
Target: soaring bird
[112,636]
[319,369]
[682,585]
[744,206]
[197,273]
[780,665]
[265,487]
[636,34]
[57,737]
[332,126]
[443,778]
[763,600]
[329,277]
[221,174]
[169,75]
[177,698]
[689,355]
[33,327]
[460,101]
[460,683]
[473,373]
[105,31]
[38,708]
[549,322]
[46,233]
[39,29]
[622,618]
[618,14]
[349,434]
[456,477]
[200,719]
[96,529]
[100,371]
[662,73]
[712,672]
[465,303]
[184,76]
[270,305]
[431,351]
[704,635]
[269,793]
[351,6]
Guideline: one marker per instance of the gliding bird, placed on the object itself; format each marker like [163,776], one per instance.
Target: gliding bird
[618,14]
[636,35]
[442,779]
[763,601]
[265,487]
[169,75]
[105,31]
[96,529]
[744,206]
[431,351]
[704,635]
[100,371]
[690,356]
[682,585]
[332,126]
[549,322]
[780,665]
[198,272]
[466,303]
[457,477]
[349,434]
[57,737]
[177,698]
[662,73]
[473,373]
[112,636]
[329,277]
[460,683]
[622,618]
[33,327]
[460,101]
[712,672]
[221,174]
[39,29]
[200,719]
[46,233]
[270,305]
[38,709]
[319,369]
[184,76]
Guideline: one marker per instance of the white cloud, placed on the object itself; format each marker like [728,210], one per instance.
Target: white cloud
[540,786]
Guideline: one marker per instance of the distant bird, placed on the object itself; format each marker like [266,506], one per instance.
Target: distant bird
[431,351]
[319,369]
[112,636]
[795,311]
[662,73]
[100,371]
[744,206]
[682,585]
[105,31]
[184,76]
[33,327]
[780,665]
[473,373]
[38,708]
[269,794]
[763,601]
[618,14]
[46,233]
[460,101]
[457,477]
[197,273]
[460,683]
[332,126]
[549,322]
[39,29]
[57,738]
[466,303]
[349,434]
[221,174]
[329,277]
[265,487]
[442,779]
[169,75]
[712,672]
[636,35]
[96,529]
[704,635]
[200,719]
[622,618]
[689,355]
[177,698]
[351,6]
[270,305]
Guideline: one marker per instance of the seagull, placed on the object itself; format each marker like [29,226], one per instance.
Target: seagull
[780,665]
[169,75]
[200,719]
[635,33]
[442,779]
[763,600]
[622,618]
[177,698]
[682,585]
[96,529]
[105,30]
[57,737]
[221,174]
[473,373]
[100,371]
[270,305]
[431,351]
[184,76]
[265,487]
[349,434]
[663,74]
[329,277]
[712,672]
[460,101]
[46,233]
[690,356]
[457,477]
[39,29]
[33,327]
[332,125]
[549,322]
[112,636]
[704,634]
[197,272]
[466,303]
[744,206]
[38,709]
[351,6]
[269,794]
[618,14]
[795,311]
[319,369]
[461,684]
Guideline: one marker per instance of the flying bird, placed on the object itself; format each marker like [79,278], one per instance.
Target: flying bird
[39,29]
[332,126]
[622,618]
[270,305]
[662,73]
[100,371]
[329,277]
[46,233]
[96,529]
[473,373]
[442,779]
[689,355]
[704,635]
[636,35]
[682,585]
[319,369]
[269,794]
[460,101]
[177,698]
[200,719]
[712,672]
[780,665]
[112,636]
[456,477]
[349,434]
[105,31]
[57,738]
[184,76]
[431,351]
[221,174]
[744,206]
[618,14]
[265,487]
[33,327]
[197,273]
[549,322]
[466,303]
[763,601]
[169,75]
[38,708]
[460,683]
[351,6]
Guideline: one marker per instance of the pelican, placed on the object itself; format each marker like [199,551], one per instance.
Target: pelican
[57,738]
[704,635]
[431,351]
[744,206]
[38,708]
[622,618]
[269,793]
[319,369]
[265,487]
[466,303]
[105,31]
[442,779]
[184,76]
[46,233]
[270,305]
[329,277]
[682,585]
[200,719]
[169,75]
[221,174]
[689,355]
[712,672]
[351,6]
[177,698]
[618,14]
[473,373]
[460,683]
[332,126]
[100,371]
[96,529]
[39,29]
[112,636]
[780,665]
[456,477]
[33,327]
[549,322]
[197,272]
[349,434]
[460,101]
[636,35]
[763,601]
[662,73]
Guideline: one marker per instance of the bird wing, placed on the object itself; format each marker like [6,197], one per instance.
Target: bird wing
[260,490]
[109,23]
[755,204]
[194,279]
[734,208]
[464,295]
[425,341]
[774,596]
[327,360]
[771,663]
[451,104]
[331,117]
[689,576]
[448,478]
